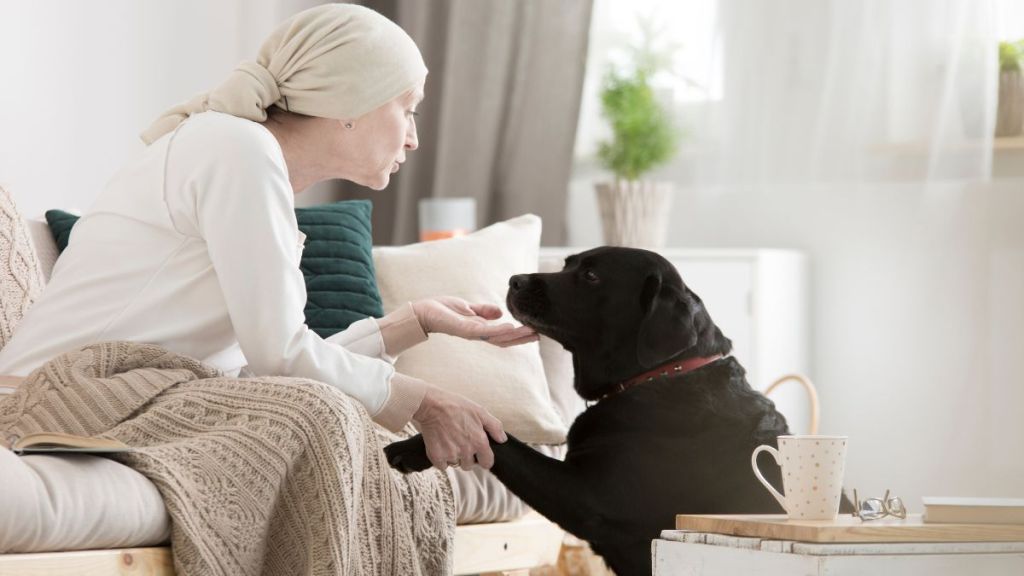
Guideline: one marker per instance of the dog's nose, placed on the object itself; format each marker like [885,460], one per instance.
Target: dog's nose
[518,281]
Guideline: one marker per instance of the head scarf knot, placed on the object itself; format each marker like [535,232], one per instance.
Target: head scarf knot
[334,61]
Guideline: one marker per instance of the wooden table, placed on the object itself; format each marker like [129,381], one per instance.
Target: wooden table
[766,545]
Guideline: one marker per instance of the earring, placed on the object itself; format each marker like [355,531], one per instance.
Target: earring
[348,125]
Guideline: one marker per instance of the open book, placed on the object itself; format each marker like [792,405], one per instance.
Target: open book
[50,442]
[974,510]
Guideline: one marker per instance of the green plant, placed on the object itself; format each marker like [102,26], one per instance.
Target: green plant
[1010,56]
[643,135]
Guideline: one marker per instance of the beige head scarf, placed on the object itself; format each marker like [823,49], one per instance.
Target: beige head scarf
[333,61]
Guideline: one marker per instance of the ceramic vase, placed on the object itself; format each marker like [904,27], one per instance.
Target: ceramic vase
[1010,112]
[634,213]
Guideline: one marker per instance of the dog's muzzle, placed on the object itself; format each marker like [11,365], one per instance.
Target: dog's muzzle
[525,296]
[518,282]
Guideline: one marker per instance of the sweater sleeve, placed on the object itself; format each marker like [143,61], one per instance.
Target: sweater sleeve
[236,182]
[383,338]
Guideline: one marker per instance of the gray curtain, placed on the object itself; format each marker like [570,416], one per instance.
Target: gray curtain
[499,120]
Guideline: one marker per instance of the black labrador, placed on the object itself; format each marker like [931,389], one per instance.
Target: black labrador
[673,421]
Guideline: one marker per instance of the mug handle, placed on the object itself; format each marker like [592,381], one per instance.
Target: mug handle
[753,464]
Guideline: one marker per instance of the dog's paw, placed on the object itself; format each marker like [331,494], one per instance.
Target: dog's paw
[409,455]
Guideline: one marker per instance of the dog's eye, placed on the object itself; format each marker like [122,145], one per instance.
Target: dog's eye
[591,276]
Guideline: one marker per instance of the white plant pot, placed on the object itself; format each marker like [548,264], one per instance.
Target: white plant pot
[1010,110]
[634,213]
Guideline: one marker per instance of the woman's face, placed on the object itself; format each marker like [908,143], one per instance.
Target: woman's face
[375,147]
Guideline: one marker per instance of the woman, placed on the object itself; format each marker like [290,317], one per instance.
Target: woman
[194,244]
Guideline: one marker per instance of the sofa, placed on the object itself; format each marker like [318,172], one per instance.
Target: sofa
[75,515]
[60,516]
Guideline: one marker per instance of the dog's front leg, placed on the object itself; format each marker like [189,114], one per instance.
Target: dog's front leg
[556,489]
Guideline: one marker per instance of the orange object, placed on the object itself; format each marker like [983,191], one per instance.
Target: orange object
[428,235]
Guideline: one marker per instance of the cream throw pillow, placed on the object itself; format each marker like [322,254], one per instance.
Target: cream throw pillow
[509,382]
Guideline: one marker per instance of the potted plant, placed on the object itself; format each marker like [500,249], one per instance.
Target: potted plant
[634,211]
[1010,111]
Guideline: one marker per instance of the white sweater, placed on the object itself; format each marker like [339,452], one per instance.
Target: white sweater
[194,246]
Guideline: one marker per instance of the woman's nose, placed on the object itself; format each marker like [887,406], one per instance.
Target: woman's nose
[412,140]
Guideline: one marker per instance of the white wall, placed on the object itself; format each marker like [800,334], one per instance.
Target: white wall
[917,315]
[80,80]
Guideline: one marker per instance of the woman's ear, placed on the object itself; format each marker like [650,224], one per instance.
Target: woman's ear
[667,327]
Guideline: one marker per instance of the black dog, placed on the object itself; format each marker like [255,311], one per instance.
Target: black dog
[674,421]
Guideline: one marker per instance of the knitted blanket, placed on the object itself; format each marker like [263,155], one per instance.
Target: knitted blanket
[21,279]
[259,475]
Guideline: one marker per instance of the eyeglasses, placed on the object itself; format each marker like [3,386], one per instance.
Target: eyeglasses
[875,508]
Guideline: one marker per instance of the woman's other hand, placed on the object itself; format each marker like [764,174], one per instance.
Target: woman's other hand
[456,317]
[455,430]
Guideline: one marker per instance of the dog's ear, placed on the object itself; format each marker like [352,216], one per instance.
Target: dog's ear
[668,324]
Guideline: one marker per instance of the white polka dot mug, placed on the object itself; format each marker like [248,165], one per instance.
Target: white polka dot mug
[812,475]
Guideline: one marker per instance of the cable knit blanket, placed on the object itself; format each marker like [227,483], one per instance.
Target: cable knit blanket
[259,475]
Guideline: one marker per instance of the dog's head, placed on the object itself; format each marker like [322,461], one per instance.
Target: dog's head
[620,311]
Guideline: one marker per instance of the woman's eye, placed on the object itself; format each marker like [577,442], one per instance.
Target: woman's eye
[590,276]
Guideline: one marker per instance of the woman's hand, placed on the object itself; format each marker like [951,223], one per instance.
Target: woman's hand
[456,317]
[455,430]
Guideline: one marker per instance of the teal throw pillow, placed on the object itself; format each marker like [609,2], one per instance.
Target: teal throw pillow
[337,262]
[60,223]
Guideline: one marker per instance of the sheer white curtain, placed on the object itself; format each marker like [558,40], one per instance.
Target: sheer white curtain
[860,132]
[834,90]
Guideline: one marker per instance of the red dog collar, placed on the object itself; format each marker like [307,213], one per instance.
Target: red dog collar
[670,369]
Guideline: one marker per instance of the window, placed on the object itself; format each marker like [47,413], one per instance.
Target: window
[683,33]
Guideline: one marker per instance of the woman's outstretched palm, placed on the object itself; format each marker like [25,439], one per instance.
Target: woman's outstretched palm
[457,317]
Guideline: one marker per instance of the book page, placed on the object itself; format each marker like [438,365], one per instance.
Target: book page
[60,442]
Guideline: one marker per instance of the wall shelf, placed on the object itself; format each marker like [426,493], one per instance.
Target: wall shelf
[1008,143]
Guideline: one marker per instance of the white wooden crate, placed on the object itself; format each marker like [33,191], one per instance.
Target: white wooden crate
[679,553]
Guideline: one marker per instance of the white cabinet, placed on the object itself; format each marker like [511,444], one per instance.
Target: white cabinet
[760,300]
